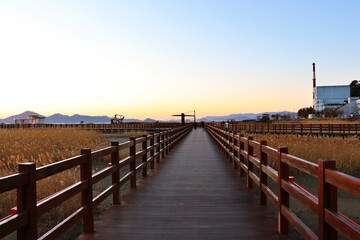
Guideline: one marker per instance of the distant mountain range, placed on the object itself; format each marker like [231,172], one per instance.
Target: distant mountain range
[244,116]
[60,118]
[76,118]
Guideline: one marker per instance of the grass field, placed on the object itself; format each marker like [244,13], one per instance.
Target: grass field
[46,146]
[43,146]
[345,151]
[324,121]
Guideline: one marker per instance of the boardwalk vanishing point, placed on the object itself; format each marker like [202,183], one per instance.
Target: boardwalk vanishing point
[193,194]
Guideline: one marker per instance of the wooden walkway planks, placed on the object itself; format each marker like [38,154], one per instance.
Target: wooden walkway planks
[193,195]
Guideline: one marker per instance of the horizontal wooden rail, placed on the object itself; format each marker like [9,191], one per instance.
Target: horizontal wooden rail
[241,153]
[24,216]
[350,129]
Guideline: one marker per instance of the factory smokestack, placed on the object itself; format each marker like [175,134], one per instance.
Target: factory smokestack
[314,77]
[314,81]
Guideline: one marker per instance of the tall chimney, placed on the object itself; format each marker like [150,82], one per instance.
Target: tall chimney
[314,77]
[314,80]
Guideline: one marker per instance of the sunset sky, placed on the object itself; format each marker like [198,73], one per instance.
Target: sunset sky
[157,58]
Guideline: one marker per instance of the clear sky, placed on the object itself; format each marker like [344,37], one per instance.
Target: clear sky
[157,58]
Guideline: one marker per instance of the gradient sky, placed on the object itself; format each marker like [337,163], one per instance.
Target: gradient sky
[157,58]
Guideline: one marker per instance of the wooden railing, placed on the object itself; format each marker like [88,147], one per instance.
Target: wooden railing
[97,126]
[241,153]
[301,129]
[153,148]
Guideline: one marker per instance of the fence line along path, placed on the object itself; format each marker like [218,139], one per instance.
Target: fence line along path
[196,195]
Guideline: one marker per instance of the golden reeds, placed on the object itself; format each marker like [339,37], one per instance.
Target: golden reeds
[44,146]
[345,151]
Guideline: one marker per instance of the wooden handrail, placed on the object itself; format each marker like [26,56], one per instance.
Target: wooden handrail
[293,128]
[23,218]
[329,180]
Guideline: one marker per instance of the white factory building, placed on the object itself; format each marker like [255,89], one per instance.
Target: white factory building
[330,97]
[338,96]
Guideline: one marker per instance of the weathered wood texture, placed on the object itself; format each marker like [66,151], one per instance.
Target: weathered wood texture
[195,195]
[24,217]
[330,221]
[294,128]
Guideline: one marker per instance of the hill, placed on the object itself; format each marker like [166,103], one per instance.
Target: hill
[23,115]
[77,118]
[242,116]
[60,118]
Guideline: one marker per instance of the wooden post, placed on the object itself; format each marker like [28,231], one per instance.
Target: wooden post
[283,196]
[235,153]
[167,142]
[228,145]
[356,129]
[152,151]
[144,156]
[170,133]
[158,141]
[241,157]
[232,148]
[263,176]
[115,176]
[87,194]
[133,162]
[330,128]
[250,165]
[223,141]
[321,129]
[26,201]
[162,145]
[171,140]
[327,200]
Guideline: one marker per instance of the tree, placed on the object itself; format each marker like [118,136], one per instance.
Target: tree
[330,112]
[355,88]
[354,83]
[304,112]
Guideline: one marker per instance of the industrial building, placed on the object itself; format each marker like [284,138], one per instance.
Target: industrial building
[352,109]
[331,97]
[32,119]
[335,96]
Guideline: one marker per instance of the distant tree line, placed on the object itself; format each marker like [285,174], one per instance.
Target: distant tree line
[355,88]
[330,112]
[304,112]
[327,112]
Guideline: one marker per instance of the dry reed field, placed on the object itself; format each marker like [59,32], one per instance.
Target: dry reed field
[345,151]
[44,146]
[329,121]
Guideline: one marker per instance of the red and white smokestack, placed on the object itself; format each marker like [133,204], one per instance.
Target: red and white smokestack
[314,77]
[314,80]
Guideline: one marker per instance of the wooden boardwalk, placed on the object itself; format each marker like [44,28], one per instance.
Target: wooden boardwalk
[193,194]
